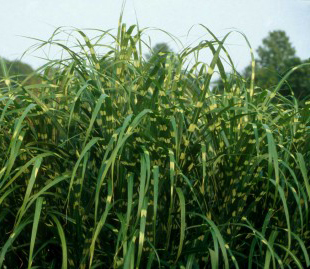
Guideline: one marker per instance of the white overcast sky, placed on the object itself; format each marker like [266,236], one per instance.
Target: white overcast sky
[255,18]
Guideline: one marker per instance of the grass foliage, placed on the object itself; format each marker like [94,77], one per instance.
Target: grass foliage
[114,161]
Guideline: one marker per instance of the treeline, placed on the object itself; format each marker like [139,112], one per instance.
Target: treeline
[276,56]
[16,72]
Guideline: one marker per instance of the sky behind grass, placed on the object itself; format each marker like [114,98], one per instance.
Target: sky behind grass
[255,18]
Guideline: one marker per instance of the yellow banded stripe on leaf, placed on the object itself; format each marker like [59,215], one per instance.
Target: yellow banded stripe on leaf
[192,127]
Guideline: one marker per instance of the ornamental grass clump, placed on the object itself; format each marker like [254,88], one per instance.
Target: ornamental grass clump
[114,161]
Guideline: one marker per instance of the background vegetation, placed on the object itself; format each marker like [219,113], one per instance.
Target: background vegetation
[116,161]
[19,71]
[276,57]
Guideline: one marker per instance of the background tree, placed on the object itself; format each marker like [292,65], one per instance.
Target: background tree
[159,47]
[276,56]
[18,71]
[276,52]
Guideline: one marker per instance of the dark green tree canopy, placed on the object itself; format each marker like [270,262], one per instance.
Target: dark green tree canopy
[276,51]
[17,71]
[17,68]
[159,47]
[276,56]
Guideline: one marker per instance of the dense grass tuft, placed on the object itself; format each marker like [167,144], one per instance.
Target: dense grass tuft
[114,161]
